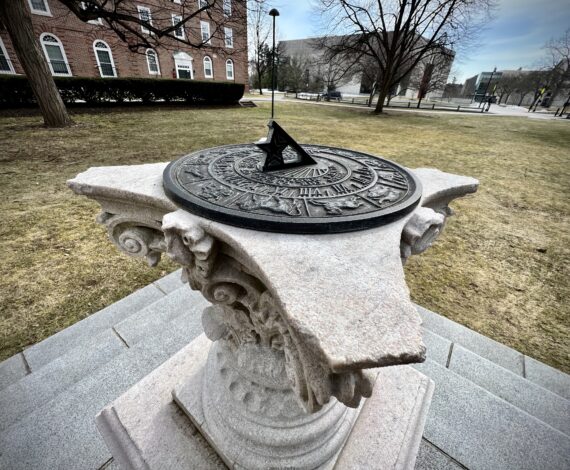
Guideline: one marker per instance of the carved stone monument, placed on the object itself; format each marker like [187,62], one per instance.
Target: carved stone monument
[300,325]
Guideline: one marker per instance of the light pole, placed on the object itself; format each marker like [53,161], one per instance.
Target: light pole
[273,12]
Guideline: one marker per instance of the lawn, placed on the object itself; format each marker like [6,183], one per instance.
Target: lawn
[501,266]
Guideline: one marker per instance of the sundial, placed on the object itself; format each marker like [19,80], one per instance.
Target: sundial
[278,185]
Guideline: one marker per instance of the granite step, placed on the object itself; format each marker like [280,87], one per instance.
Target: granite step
[61,433]
[481,345]
[40,354]
[537,401]
[49,349]
[532,370]
[480,430]
[37,388]
[150,320]
[527,395]
[13,369]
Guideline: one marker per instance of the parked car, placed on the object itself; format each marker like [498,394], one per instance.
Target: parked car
[332,95]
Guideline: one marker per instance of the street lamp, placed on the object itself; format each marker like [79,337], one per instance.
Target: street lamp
[273,12]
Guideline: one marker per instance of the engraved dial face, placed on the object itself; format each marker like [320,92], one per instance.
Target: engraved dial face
[344,191]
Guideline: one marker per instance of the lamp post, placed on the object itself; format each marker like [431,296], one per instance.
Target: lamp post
[273,12]
[488,84]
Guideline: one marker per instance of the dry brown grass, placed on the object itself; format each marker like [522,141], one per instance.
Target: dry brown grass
[501,267]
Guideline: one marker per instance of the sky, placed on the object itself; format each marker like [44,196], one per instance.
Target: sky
[513,39]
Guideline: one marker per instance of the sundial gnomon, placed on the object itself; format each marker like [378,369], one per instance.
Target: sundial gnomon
[342,190]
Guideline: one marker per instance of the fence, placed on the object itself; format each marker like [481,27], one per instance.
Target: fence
[364,101]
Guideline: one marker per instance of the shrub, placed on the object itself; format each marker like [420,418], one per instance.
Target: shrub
[15,91]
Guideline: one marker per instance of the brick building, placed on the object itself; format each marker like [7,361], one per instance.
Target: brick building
[75,48]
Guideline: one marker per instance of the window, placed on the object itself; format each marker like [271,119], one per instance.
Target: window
[5,63]
[40,7]
[55,55]
[178,32]
[177,1]
[104,58]
[229,34]
[183,65]
[208,70]
[228,7]
[98,21]
[152,62]
[144,15]
[229,69]
[205,30]
[202,3]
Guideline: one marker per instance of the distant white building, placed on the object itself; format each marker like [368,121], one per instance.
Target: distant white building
[355,81]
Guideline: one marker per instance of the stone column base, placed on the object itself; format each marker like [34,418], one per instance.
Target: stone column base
[146,429]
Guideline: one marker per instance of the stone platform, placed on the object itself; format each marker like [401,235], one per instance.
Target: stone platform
[493,408]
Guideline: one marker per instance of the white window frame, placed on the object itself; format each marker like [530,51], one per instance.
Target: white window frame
[140,9]
[152,72]
[230,62]
[107,49]
[209,59]
[202,4]
[5,52]
[175,20]
[229,35]
[206,25]
[40,12]
[55,74]
[227,7]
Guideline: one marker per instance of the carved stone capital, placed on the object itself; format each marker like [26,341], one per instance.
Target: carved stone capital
[245,317]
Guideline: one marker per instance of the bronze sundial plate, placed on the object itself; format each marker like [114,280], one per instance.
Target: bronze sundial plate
[344,191]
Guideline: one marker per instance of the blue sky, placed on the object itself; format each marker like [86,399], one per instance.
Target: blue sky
[513,39]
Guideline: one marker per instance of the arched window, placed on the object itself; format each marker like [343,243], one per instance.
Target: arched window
[5,62]
[104,58]
[208,69]
[229,69]
[152,62]
[183,65]
[55,55]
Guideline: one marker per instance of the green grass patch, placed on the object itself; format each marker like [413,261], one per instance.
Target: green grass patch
[501,266]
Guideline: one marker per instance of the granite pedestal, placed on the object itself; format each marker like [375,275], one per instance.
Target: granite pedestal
[301,324]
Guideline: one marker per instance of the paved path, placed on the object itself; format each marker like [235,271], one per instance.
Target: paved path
[495,111]
[493,407]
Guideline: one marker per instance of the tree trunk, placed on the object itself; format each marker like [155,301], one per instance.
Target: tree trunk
[18,21]
[384,89]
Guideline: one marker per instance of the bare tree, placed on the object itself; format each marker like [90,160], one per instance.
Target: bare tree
[16,18]
[507,85]
[142,31]
[259,28]
[431,76]
[558,63]
[295,73]
[137,31]
[398,34]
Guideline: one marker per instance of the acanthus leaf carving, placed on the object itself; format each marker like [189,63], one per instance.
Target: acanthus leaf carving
[244,314]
